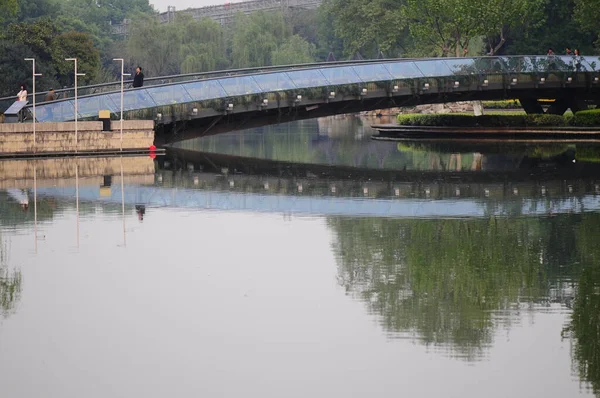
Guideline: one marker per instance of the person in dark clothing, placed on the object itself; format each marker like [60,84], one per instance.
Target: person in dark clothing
[50,96]
[568,51]
[138,79]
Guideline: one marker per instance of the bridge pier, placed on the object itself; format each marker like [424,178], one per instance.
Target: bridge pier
[531,106]
[558,107]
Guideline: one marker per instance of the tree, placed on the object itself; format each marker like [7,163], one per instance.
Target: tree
[76,45]
[442,27]
[203,46]
[294,50]
[497,18]
[255,37]
[8,8]
[587,15]
[368,26]
[154,46]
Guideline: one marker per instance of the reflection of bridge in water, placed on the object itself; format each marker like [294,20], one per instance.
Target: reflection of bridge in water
[229,100]
[418,194]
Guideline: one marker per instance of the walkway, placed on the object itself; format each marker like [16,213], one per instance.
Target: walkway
[324,89]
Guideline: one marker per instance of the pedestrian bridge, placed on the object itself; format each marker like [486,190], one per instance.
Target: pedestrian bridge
[214,102]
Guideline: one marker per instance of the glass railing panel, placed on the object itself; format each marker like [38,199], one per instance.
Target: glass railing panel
[403,70]
[307,78]
[274,81]
[235,86]
[169,95]
[462,66]
[205,90]
[489,65]
[434,68]
[373,73]
[89,106]
[134,99]
[55,111]
[341,75]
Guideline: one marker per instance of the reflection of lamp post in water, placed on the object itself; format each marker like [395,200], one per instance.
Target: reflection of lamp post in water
[35,205]
[77,199]
[123,200]
[33,76]
[76,110]
[123,74]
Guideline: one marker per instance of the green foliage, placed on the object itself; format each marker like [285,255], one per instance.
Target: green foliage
[368,26]
[505,104]
[559,30]
[256,37]
[8,8]
[461,120]
[80,46]
[588,118]
[294,50]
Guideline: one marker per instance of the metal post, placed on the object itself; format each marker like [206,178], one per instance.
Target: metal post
[76,110]
[33,75]
[122,75]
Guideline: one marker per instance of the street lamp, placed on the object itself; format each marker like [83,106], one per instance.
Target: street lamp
[33,76]
[76,111]
[122,75]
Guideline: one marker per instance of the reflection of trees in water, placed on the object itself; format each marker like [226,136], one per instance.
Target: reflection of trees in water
[10,282]
[444,281]
[584,328]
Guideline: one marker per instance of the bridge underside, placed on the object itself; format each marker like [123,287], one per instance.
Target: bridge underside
[204,105]
[209,122]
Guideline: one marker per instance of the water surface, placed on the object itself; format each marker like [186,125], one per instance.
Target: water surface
[292,271]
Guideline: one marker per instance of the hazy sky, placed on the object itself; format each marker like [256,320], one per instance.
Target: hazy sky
[161,5]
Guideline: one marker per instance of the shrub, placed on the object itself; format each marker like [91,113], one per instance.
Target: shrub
[506,104]
[587,118]
[456,120]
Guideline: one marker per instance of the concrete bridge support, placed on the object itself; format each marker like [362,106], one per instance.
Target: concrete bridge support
[531,106]
[558,107]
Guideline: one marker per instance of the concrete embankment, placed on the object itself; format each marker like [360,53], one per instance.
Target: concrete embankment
[60,138]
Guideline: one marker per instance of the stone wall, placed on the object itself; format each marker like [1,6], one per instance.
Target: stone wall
[60,137]
[451,107]
[18,173]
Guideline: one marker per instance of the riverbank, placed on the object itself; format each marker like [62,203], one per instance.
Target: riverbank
[62,138]
[582,126]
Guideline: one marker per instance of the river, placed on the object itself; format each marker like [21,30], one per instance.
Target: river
[303,259]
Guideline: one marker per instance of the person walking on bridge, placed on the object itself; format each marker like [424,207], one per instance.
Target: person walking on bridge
[50,96]
[22,95]
[138,79]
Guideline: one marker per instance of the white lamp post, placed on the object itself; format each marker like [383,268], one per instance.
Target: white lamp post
[76,111]
[33,76]
[122,76]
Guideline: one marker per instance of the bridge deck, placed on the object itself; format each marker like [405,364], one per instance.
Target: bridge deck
[364,85]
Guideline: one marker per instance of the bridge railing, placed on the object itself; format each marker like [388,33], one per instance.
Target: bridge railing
[218,93]
[69,92]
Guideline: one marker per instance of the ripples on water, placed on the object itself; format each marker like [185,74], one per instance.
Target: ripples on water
[227,267]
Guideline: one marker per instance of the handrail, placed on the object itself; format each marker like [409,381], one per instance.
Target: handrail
[265,68]
[223,71]
[269,69]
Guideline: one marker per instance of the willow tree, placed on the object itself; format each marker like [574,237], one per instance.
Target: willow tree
[368,26]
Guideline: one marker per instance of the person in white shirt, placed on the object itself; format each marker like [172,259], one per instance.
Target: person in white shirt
[22,95]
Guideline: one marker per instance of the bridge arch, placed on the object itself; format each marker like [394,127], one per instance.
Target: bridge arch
[252,97]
